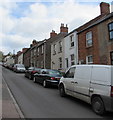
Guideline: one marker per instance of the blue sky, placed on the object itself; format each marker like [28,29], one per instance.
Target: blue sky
[25,20]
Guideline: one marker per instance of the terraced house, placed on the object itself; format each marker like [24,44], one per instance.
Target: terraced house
[95,38]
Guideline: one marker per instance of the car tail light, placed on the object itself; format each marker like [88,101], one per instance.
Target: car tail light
[111,91]
[53,78]
[34,72]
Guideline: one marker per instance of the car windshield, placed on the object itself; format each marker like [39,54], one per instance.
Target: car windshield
[37,69]
[21,66]
[54,72]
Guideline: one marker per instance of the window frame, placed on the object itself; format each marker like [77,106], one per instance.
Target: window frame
[87,39]
[110,30]
[54,49]
[111,57]
[60,62]
[72,41]
[72,59]
[87,62]
[60,46]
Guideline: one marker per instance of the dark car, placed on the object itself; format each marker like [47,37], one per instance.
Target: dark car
[29,73]
[48,77]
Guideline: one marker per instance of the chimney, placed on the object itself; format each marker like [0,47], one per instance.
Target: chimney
[34,42]
[63,29]
[52,34]
[104,8]
[24,49]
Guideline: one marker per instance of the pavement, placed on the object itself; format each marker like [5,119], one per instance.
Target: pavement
[8,105]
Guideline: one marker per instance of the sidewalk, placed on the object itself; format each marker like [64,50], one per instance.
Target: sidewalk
[7,105]
[8,108]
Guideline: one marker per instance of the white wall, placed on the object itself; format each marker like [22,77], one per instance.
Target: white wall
[55,58]
[20,59]
[68,50]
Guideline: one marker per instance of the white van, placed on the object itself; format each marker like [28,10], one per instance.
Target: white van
[90,83]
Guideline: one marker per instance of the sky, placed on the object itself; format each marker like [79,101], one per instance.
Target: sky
[25,20]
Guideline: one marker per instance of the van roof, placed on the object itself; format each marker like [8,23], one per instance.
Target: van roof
[94,65]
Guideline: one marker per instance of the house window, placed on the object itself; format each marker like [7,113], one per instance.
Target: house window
[42,64]
[110,27]
[60,62]
[60,46]
[54,49]
[111,55]
[72,59]
[89,59]
[38,51]
[67,63]
[72,40]
[89,40]
[42,49]
[34,52]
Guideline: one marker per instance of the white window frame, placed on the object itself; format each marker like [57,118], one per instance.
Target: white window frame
[89,62]
[89,38]
[38,51]
[72,59]
[72,41]
[42,47]
[60,46]
[60,62]
[54,49]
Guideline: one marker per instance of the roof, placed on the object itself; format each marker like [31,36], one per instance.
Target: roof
[94,22]
[58,37]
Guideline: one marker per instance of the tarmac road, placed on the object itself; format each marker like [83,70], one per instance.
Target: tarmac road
[38,102]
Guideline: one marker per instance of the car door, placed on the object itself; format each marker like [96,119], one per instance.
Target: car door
[69,81]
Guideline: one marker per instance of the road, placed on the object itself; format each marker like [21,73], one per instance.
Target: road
[38,102]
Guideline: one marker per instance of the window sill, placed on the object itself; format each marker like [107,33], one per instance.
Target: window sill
[89,46]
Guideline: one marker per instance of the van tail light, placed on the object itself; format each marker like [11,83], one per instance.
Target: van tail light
[111,91]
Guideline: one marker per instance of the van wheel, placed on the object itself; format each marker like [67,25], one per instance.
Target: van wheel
[62,91]
[98,106]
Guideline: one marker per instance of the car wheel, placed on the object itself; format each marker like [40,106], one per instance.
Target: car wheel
[34,80]
[30,77]
[62,91]
[44,84]
[98,105]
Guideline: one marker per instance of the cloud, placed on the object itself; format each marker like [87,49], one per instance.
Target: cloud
[37,20]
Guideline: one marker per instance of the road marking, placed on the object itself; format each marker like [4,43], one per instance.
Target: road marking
[14,101]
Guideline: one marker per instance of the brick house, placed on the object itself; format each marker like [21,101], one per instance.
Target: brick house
[95,38]
[26,58]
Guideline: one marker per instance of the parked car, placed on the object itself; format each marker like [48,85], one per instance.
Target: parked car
[48,77]
[90,83]
[29,73]
[19,68]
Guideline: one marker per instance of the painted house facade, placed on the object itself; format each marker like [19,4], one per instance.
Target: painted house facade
[70,49]
[57,49]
